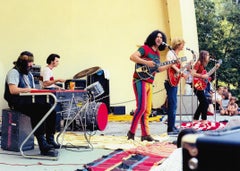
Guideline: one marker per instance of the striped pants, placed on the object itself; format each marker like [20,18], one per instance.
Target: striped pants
[143,95]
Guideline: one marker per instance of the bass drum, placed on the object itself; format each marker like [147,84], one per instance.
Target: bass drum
[96,115]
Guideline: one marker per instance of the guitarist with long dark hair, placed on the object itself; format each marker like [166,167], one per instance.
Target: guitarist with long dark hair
[148,55]
[200,76]
[171,84]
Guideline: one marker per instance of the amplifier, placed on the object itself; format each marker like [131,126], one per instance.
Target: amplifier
[214,150]
[118,110]
[15,128]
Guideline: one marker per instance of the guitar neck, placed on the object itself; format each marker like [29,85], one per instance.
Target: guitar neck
[212,70]
[168,62]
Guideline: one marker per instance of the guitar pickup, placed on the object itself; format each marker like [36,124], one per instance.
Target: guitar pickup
[141,69]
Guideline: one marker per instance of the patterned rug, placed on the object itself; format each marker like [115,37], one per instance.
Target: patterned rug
[204,127]
[135,159]
[106,141]
[127,154]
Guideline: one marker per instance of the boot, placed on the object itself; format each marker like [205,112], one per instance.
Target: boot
[45,148]
[148,138]
[130,135]
[51,141]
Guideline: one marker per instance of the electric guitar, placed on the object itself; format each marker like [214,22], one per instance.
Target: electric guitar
[173,76]
[145,72]
[201,83]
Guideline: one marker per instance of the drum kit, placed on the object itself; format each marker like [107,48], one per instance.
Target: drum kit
[90,115]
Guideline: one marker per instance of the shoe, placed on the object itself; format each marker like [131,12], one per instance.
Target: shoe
[172,131]
[50,153]
[148,138]
[130,135]
[45,148]
[51,141]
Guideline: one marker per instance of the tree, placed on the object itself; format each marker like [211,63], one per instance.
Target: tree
[219,33]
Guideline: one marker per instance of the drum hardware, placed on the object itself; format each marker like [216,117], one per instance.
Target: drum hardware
[91,115]
[94,90]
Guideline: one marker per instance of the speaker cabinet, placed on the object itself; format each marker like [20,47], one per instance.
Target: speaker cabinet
[100,77]
[216,150]
[15,128]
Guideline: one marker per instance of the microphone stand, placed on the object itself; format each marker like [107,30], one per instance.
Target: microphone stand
[192,81]
[180,86]
[215,86]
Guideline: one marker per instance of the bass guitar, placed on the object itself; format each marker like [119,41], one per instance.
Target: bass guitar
[174,77]
[145,72]
[201,83]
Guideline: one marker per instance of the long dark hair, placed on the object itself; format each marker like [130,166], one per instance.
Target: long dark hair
[203,56]
[150,41]
[22,62]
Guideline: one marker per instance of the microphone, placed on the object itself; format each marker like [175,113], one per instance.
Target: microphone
[190,50]
[165,44]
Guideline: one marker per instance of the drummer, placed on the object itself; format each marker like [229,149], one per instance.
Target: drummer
[46,77]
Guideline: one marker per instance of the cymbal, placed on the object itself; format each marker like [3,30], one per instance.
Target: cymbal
[86,72]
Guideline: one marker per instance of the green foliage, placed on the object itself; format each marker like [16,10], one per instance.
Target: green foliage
[219,33]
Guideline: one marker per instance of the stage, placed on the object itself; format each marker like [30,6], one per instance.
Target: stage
[71,159]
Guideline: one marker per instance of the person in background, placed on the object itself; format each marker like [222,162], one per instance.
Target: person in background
[217,97]
[148,55]
[197,72]
[20,80]
[232,108]
[172,89]
[225,103]
[47,79]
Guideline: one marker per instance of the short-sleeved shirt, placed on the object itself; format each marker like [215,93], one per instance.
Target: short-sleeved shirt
[149,54]
[47,75]
[14,78]
[199,67]
[20,80]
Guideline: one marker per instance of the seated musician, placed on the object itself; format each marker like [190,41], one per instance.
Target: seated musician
[46,77]
[20,80]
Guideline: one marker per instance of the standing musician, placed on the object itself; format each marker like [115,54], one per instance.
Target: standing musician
[20,80]
[171,85]
[199,73]
[147,55]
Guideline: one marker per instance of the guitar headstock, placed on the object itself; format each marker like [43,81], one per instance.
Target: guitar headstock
[183,59]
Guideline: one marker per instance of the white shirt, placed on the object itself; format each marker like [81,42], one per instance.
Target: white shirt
[47,75]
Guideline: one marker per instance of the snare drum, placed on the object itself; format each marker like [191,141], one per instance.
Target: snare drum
[95,89]
[96,115]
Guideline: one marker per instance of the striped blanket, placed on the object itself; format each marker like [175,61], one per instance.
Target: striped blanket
[136,159]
